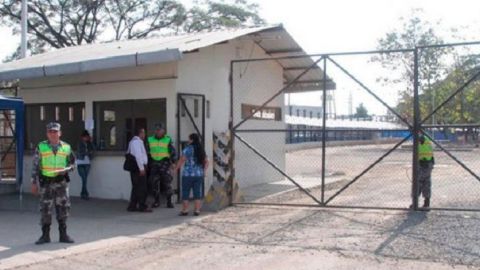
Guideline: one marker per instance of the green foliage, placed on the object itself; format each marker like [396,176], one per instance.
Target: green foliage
[438,79]
[361,111]
[64,23]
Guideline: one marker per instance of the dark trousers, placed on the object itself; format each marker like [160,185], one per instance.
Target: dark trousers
[425,180]
[161,178]
[83,172]
[54,195]
[138,196]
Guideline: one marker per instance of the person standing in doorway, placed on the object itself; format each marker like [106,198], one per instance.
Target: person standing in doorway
[52,161]
[163,155]
[138,195]
[85,151]
[193,173]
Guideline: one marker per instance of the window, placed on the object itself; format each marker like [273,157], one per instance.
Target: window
[182,106]
[208,108]
[298,112]
[109,116]
[195,107]
[116,121]
[113,136]
[70,114]
[57,113]
[304,113]
[318,115]
[42,113]
[311,114]
[63,113]
[267,113]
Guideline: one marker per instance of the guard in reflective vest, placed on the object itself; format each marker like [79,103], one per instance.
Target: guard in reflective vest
[162,157]
[426,162]
[53,160]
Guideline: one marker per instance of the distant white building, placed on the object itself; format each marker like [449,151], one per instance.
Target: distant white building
[307,112]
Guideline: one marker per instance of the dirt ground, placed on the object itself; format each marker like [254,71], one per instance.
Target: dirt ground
[279,237]
[383,184]
[292,238]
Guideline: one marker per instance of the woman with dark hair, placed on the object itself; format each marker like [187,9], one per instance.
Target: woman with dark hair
[195,169]
[85,151]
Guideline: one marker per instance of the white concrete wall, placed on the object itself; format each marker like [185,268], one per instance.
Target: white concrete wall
[107,178]
[204,72]
[207,72]
[254,84]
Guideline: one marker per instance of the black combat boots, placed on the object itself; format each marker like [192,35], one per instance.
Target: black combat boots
[169,202]
[64,238]
[156,204]
[426,204]
[45,238]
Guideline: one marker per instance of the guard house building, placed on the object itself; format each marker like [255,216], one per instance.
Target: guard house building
[112,88]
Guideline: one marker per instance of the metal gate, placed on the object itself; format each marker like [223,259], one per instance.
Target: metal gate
[8,147]
[191,114]
[286,153]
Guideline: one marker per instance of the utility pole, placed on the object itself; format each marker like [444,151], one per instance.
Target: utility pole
[24,25]
[350,104]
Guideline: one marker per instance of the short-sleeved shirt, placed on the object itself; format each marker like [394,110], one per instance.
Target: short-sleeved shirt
[191,168]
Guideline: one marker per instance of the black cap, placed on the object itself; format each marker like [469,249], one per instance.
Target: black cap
[54,126]
[159,126]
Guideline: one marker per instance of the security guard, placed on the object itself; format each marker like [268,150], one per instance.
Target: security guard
[52,162]
[162,156]
[426,162]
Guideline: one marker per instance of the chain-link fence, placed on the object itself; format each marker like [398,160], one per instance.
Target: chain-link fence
[340,130]
[449,99]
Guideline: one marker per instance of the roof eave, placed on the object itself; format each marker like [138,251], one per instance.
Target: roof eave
[131,60]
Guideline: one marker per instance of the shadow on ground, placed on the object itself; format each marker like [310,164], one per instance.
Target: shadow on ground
[89,221]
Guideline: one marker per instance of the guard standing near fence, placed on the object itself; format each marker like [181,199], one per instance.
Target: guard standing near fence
[53,160]
[426,162]
[163,156]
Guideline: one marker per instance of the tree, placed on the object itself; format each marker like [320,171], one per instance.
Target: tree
[216,15]
[414,32]
[361,111]
[465,106]
[439,76]
[64,23]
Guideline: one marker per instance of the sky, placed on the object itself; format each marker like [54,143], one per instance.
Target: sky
[321,26]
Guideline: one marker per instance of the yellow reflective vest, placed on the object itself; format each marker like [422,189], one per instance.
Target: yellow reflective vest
[159,147]
[425,150]
[51,162]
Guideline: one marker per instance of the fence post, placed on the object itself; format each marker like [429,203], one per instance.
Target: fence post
[231,144]
[324,125]
[416,129]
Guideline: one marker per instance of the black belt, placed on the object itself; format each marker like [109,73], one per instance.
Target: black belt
[51,180]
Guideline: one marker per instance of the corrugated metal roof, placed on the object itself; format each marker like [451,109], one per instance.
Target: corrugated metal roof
[100,56]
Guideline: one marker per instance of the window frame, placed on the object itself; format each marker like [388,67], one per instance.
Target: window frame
[132,116]
[247,109]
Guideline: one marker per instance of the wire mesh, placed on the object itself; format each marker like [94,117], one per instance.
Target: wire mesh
[355,134]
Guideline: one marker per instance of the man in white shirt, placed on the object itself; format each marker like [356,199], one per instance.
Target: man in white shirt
[138,195]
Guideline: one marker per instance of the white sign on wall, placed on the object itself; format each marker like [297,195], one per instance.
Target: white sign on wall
[89,124]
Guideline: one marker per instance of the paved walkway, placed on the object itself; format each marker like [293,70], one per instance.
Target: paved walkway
[90,222]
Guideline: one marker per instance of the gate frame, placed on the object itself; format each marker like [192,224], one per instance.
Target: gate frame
[414,127]
[181,104]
